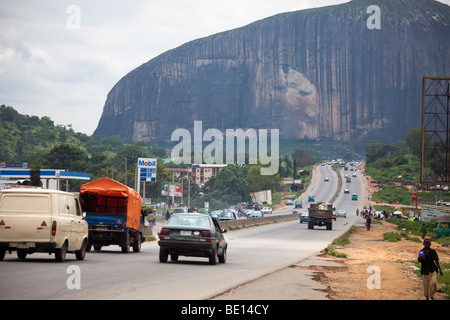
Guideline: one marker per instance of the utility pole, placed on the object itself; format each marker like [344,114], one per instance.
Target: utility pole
[126,170]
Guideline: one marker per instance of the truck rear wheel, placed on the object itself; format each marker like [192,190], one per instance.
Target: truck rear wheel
[310,225]
[126,247]
[137,243]
[21,254]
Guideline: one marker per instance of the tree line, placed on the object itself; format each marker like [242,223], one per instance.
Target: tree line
[44,145]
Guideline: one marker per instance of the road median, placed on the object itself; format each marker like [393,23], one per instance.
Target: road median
[245,223]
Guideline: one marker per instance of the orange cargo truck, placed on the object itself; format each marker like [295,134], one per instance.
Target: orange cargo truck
[114,214]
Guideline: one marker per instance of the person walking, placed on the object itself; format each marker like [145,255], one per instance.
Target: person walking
[430,266]
[423,230]
[368,221]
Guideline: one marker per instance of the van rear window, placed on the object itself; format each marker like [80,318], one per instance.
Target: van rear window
[25,203]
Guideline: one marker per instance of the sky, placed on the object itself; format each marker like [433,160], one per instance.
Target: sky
[60,58]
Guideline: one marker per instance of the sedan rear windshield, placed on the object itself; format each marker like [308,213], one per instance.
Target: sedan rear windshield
[187,220]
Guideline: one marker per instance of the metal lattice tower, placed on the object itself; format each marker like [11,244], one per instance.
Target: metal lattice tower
[435,164]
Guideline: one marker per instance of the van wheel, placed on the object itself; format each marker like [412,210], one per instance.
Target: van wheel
[60,254]
[82,253]
[2,254]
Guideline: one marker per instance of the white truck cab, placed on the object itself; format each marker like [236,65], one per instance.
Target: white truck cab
[40,220]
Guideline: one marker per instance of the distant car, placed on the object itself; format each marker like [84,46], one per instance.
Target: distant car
[215,213]
[304,217]
[289,203]
[334,215]
[266,210]
[354,196]
[346,190]
[299,204]
[327,179]
[226,215]
[342,213]
[255,214]
[441,229]
[193,235]
[354,174]
[311,198]
[180,210]
[247,212]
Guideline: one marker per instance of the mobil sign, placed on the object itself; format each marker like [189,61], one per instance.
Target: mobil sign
[147,169]
[146,163]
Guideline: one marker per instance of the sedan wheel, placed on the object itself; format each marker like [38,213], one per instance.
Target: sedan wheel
[223,257]
[213,257]
[163,255]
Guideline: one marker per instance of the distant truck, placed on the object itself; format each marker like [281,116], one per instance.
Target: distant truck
[299,204]
[114,215]
[320,214]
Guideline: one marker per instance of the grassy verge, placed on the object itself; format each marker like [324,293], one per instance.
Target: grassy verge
[444,280]
[407,228]
[341,241]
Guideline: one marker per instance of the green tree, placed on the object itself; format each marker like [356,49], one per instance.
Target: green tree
[259,182]
[231,186]
[414,141]
[376,150]
[66,156]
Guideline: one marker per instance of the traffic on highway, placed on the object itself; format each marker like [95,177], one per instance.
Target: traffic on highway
[249,253]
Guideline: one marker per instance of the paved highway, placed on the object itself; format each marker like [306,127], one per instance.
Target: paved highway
[109,274]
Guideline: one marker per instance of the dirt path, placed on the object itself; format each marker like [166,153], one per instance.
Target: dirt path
[367,249]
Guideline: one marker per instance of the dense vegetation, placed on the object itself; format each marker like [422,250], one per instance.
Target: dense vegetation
[45,145]
[396,166]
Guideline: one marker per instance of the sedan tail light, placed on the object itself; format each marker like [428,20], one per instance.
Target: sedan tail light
[206,234]
[163,232]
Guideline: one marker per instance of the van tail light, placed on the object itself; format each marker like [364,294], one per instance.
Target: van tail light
[206,234]
[53,228]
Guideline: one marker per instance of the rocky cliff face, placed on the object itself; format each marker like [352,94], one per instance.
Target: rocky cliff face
[311,73]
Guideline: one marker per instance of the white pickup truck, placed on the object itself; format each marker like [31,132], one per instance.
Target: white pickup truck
[39,220]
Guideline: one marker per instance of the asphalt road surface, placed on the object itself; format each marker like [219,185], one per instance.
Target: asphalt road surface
[110,274]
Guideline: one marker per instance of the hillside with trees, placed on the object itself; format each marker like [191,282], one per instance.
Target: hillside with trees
[44,145]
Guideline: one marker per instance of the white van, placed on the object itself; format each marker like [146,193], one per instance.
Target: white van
[39,220]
